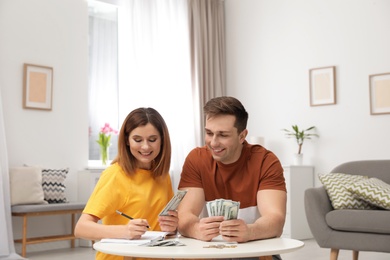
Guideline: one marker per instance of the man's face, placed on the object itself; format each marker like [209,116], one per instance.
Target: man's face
[223,139]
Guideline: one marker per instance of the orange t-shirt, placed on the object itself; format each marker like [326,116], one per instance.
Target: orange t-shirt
[256,169]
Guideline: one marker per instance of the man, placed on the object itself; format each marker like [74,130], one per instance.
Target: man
[228,167]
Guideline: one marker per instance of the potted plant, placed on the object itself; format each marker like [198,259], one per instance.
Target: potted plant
[300,136]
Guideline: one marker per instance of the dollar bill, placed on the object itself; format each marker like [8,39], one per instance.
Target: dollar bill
[173,203]
[221,207]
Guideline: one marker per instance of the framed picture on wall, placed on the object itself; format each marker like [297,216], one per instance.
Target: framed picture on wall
[379,94]
[322,86]
[37,87]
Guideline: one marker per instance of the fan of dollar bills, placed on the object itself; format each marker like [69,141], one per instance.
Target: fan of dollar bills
[221,207]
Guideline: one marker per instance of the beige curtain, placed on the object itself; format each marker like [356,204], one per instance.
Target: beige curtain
[207,40]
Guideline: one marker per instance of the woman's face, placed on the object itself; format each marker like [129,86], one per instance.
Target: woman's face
[145,145]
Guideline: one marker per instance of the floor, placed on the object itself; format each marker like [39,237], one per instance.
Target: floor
[311,251]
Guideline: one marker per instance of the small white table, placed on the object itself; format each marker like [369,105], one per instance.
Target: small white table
[199,249]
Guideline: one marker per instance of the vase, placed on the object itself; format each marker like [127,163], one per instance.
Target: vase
[104,154]
[298,159]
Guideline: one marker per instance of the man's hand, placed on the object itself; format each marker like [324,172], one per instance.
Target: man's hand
[234,230]
[209,227]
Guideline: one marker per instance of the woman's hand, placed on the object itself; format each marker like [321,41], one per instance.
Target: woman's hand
[169,223]
[136,228]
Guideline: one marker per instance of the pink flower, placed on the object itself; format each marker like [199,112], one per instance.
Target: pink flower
[104,140]
[107,129]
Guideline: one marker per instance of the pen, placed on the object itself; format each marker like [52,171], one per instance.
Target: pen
[126,216]
[123,214]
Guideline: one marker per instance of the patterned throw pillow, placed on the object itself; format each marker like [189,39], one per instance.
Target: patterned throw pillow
[373,190]
[341,198]
[53,184]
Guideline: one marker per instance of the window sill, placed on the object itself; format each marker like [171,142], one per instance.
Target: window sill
[97,165]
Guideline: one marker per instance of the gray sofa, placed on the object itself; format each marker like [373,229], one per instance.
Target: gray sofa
[351,229]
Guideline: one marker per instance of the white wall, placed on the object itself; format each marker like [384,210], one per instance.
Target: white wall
[51,33]
[271,45]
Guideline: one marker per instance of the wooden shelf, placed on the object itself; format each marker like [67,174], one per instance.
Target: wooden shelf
[37,240]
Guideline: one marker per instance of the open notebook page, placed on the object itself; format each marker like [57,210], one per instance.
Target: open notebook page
[147,237]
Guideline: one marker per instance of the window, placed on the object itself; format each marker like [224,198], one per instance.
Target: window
[152,70]
[103,73]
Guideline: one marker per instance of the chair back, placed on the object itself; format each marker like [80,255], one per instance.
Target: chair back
[372,168]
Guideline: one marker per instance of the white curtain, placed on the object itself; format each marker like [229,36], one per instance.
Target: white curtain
[7,248]
[103,73]
[154,69]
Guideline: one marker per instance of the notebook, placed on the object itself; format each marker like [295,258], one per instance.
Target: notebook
[149,236]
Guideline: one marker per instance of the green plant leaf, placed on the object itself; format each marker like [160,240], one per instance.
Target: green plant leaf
[300,135]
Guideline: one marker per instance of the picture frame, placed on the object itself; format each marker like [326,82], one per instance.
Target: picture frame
[322,86]
[37,87]
[379,93]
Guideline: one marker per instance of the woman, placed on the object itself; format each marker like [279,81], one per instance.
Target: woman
[137,183]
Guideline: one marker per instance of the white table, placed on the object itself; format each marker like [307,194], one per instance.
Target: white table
[199,249]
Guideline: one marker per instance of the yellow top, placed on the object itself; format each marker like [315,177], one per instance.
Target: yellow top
[139,196]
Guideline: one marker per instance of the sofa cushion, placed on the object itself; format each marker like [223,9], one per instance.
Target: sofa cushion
[372,190]
[26,185]
[369,221]
[335,185]
[53,184]
[47,207]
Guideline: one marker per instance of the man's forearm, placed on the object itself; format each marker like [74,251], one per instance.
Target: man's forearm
[266,228]
[188,226]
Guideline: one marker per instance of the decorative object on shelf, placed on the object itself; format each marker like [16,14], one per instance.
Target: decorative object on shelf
[322,86]
[298,159]
[379,94]
[300,136]
[104,141]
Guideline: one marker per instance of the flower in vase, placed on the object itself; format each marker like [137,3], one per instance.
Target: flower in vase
[104,141]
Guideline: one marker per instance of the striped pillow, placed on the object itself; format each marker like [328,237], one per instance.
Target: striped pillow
[53,184]
[341,198]
[372,190]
